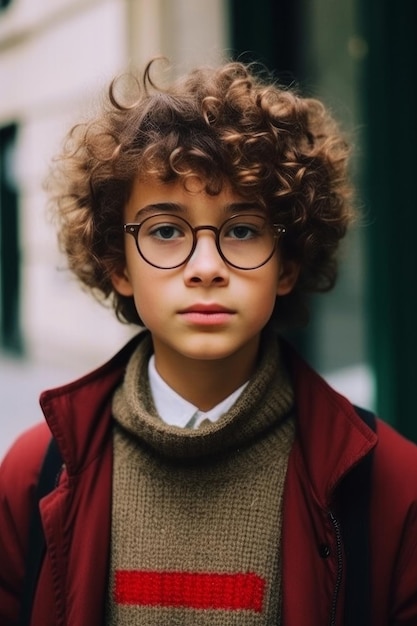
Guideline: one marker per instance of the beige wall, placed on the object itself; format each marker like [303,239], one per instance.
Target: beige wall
[187,32]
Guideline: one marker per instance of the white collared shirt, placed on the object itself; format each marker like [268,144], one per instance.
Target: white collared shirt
[175,410]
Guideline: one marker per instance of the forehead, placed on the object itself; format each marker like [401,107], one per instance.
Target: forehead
[190,196]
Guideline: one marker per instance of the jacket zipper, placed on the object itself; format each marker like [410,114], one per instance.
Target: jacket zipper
[339,556]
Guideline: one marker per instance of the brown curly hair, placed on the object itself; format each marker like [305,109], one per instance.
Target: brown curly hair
[230,123]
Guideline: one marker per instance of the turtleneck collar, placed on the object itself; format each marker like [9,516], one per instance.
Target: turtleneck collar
[267,398]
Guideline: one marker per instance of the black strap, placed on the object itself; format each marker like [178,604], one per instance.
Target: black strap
[51,466]
[355,500]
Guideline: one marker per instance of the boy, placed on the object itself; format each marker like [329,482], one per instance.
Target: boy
[202,465]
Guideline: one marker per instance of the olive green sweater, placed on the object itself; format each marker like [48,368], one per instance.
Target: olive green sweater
[197,514]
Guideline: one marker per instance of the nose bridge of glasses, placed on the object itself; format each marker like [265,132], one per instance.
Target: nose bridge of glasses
[215,239]
[196,229]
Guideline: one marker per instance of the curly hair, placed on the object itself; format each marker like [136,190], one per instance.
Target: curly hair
[228,124]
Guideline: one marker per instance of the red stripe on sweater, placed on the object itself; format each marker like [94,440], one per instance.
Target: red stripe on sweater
[192,590]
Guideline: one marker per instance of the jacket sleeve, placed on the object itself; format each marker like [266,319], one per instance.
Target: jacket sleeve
[19,472]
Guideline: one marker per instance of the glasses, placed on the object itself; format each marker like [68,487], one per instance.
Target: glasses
[168,241]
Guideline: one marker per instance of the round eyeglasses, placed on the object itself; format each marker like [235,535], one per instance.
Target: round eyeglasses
[168,241]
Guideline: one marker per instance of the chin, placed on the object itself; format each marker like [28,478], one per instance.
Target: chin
[209,351]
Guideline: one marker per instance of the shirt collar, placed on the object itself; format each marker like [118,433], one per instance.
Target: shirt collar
[174,410]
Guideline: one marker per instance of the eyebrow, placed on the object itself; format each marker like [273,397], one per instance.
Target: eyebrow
[173,207]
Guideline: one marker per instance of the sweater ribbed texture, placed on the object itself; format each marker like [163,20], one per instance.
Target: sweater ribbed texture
[197,515]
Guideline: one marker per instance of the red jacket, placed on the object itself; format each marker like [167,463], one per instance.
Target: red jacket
[330,440]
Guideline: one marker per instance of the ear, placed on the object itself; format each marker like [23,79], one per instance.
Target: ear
[288,277]
[121,282]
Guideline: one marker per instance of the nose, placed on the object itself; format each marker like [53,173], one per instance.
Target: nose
[206,267]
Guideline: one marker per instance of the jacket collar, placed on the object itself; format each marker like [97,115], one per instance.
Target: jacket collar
[79,413]
[332,438]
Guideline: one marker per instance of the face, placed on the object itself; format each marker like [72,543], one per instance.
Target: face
[203,310]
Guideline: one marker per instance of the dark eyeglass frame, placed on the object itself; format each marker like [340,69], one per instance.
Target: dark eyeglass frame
[133,228]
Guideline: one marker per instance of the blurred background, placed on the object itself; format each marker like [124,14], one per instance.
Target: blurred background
[360,57]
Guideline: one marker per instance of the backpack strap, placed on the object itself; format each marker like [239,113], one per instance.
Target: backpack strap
[355,500]
[50,469]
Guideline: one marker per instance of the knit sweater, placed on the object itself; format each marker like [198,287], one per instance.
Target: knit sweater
[197,514]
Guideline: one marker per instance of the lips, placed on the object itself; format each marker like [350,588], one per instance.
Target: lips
[207,309]
[212,314]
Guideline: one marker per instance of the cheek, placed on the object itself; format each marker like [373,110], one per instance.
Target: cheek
[140,282]
[263,294]
[146,299]
[152,293]
[265,307]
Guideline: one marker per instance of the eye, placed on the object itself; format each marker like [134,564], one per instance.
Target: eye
[165,232]
[243,232]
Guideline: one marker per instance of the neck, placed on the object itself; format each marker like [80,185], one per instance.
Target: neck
[205,383]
